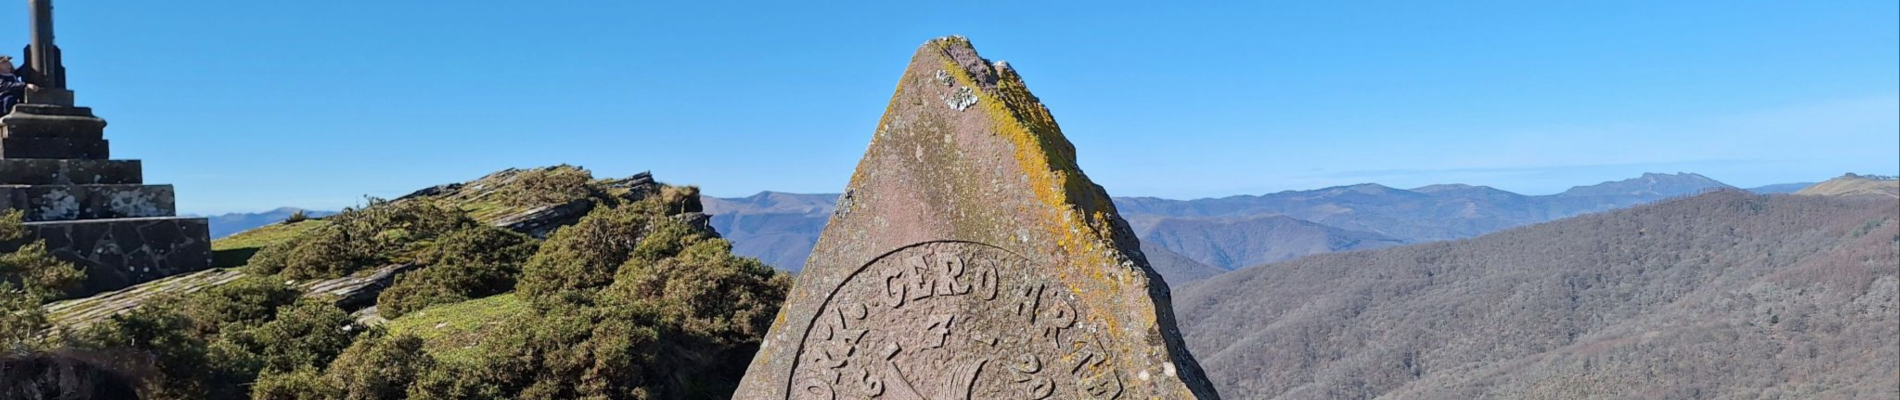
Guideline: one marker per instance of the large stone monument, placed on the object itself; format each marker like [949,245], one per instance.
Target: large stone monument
[91,210]
[971,259]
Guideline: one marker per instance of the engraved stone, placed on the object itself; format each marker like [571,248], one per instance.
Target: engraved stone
[971,259]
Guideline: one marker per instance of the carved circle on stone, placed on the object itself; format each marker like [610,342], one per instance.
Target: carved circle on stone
[947,320]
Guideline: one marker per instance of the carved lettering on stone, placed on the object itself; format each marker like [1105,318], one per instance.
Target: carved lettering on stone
[952,320]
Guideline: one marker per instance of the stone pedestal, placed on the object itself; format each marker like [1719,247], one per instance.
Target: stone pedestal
[92,211]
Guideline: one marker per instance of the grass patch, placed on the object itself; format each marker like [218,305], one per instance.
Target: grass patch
[236,250]
[451,332]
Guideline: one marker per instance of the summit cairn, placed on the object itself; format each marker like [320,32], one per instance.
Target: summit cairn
[969,258]
[91,210]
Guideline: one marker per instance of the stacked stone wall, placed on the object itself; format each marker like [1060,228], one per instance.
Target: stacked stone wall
[94,212]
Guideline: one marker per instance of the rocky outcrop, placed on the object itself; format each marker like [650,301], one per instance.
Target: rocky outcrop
[351,293]
[490,198]
[485,198]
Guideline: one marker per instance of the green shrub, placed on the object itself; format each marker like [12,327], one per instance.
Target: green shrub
[447,381]
[570,352]
[302,384]
[579,259]
[248,302]
[307,334]
[546,186]
[442,284]
[479,244]
[470,263]
[379,367]
[705,292]
[295,217]
[324,252]
[379,234]
[28,278]
[188,365]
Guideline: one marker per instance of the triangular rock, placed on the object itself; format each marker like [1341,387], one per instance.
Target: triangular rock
[971,259]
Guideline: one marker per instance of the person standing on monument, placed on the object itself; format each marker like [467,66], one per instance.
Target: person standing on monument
[13,85]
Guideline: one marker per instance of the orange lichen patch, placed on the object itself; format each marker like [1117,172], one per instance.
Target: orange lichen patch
[1047,157]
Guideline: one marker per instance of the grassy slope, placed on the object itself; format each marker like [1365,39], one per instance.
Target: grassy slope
[235,250]
[1853,185]
[452,331]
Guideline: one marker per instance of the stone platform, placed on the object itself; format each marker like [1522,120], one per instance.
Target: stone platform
[120,252]
[95,212]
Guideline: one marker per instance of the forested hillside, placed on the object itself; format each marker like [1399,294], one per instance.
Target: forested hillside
[1230,243]
[1657,301]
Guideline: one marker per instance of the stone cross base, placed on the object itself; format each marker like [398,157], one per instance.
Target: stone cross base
[92,211]
[121,252]
[50,96]
[50,131]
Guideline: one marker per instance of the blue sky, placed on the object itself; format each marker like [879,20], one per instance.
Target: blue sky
[250,105]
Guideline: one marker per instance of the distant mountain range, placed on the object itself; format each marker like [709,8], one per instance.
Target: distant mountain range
[777,228]
[231,224]
[1656,301]
[1781,188]
[1206,236]
[1238,231]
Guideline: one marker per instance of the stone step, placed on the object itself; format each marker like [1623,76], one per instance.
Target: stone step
[121,252]
[53,109]
[88,201]
[57,148]
[52,123]
[69,172]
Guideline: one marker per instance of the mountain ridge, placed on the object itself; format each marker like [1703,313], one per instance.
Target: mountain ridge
[777,227]
[228,224]
[1576,308]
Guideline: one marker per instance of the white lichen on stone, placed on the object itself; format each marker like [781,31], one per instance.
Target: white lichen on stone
[134,203]
[58,205]
[943,77]
[961,100]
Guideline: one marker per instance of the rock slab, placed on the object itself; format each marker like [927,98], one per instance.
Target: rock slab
[969,258]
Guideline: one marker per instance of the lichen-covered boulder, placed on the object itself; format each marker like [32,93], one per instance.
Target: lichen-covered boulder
[971,259]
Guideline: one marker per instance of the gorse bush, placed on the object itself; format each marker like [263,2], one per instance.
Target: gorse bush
[246,302]
[190,365]
[705,292]
[547,186]
[214,344]
[308,334]
[28,277]
[379,367]
[578,260]
[302,384]
[296,216]
[382,233]
[469,263]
